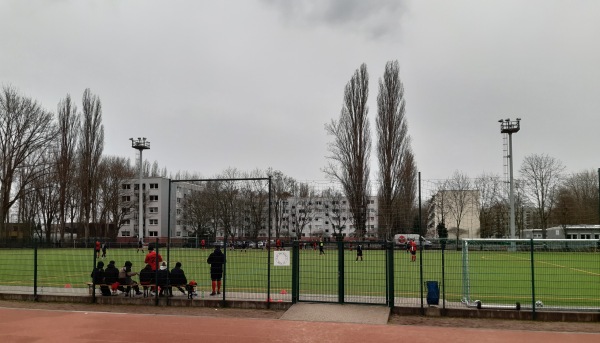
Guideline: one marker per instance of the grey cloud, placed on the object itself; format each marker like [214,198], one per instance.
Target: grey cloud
[373,18]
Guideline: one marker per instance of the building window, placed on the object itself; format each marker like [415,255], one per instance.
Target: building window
[154,186]
[154,198]
[125,198]
[126,186]
[178,233]
[125,210]
[153,221]
[126,222]
[179,211]
[125,233]
[153,209]
[153,233]
[586,236]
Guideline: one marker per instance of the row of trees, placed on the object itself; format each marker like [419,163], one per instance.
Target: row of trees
[53,171]
[351,146]
[545,196]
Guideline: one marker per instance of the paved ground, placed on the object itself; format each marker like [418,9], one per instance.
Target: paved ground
[360,314]
[48,326]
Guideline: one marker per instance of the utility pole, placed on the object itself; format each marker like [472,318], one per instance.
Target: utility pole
[509,127]
[140,144]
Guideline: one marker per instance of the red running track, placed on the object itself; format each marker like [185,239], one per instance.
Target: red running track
[24,325]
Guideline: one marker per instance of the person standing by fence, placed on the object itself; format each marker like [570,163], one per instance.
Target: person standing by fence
[216,260]
[321,247]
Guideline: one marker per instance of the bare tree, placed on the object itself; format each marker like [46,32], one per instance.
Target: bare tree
[113,173]
[25,133]
[302,209]
[199,211]
[335,211]
[460,199]
[350,150]
[489,187]
[438,205]
[68,133]
[91,146]
[256,197]
[542,175]
[405,203]
[578,200]
[46,190]
[393,149]
[229,204]
[282,187]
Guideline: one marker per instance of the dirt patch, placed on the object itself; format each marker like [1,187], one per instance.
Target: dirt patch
[272,314]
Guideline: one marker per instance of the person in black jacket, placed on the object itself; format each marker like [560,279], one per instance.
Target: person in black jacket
[162,280]
[111,274]
[147,278]
[98,278]
[216,260]
[178,278]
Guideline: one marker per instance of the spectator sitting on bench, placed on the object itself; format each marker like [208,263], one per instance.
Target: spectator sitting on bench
[111,275]
[162,280]
[98,278]
[178,278]
[125,275]
[147,278]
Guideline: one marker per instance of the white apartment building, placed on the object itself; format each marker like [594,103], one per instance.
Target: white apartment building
[155,209]
[316,217]
[299,218]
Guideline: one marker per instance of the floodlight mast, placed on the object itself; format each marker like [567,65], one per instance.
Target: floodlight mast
[509,127]
[140,144]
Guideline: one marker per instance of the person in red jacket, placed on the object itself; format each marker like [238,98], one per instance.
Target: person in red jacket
[412,247]
[152,258]
[97,248]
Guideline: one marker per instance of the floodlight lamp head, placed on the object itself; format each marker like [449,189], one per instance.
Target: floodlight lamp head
[500,121]
[518,119]
[507,119]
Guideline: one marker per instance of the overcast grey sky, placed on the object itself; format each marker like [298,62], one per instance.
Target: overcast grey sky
[251,83]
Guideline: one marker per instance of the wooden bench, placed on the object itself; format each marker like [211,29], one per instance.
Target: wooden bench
[91,287]
[189,289]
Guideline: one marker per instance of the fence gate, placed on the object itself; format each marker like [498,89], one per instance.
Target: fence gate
[335,273]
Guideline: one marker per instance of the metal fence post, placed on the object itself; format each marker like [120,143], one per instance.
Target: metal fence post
[35,269]
[532,281]
[443,274]
[94,276]
[295,271]
[340,246]
[390,274]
